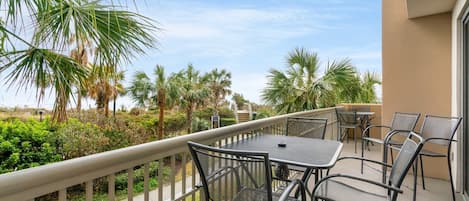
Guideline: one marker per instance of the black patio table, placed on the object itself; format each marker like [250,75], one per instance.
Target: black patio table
[298,151]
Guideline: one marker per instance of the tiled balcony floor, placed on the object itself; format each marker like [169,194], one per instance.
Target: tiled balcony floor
[436,190]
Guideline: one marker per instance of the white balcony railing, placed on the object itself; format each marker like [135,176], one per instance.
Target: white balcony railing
[56,178]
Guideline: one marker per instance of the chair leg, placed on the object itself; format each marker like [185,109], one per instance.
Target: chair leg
[392,157]
[451,178]
[339,134]
[363,155]
[421,172]
[385,160]
[414,169]
[347,132]
[355,140]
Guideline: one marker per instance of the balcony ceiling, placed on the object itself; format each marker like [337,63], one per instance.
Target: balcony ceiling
[420,8]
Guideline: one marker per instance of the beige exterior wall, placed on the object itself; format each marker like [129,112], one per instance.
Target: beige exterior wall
[416,68]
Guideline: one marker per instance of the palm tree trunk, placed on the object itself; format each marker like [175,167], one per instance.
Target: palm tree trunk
[161,105]
[189,118]
[60,110]
[106,107]
[114,107]
[78,101]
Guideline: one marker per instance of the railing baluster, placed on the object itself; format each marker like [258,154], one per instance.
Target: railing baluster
[194,174]
[183,182]
[130,184]
[232,181]
[173,176]
[62,194]
[111,187]
[146,182]
[89,190]
[219,180]
[226,176]
[160,179]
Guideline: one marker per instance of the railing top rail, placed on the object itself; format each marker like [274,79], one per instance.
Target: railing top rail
[102,164]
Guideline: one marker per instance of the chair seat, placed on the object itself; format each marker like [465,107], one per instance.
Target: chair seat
[333,190]
[252,194]
[431,153]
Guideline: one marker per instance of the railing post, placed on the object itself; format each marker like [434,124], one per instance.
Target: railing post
[130,184]
[146,182]
[89,190]
[111,187]
[160,179]
[62,195]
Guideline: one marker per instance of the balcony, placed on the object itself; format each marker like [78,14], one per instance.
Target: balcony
[173,166]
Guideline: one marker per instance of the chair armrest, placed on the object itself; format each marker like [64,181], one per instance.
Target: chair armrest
[391,133]
[392,188]
[364,159]
[291,187]
[374,126]
[438,138]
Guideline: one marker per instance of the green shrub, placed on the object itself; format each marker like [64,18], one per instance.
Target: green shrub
[81,139]
[26,144]
[227,121]
[199,124]
[206,113]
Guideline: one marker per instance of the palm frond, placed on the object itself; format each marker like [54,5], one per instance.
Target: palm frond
[117,35]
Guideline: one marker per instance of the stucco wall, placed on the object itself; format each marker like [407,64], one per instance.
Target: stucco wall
[416,68]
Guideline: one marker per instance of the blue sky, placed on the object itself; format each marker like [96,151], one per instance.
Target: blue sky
[248,38]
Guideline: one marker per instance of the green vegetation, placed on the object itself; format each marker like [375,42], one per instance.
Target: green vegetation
[113,35]
[301,88]
[26,144]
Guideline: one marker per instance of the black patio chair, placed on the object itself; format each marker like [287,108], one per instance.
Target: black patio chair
[237,175]
[440,131]
[302,127]
[306,127]
[347,120]
[335,187]
[400,121]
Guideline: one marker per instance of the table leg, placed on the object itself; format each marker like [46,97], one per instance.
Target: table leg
[305,179]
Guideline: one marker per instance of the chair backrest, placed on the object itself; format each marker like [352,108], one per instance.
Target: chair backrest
[244,169]
[439,130]
[306,127]
[404,121]
[407,154]
[345,117]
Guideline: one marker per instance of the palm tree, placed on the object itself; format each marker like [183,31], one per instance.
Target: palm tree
[219,83]
[165,92]
[301,88]
[118,89]
[368,82]
[80,55]
[193,92]
[101,88]
[115,35]
[140,89]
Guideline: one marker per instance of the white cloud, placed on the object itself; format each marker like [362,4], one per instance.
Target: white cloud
[249,85]
[231,32]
